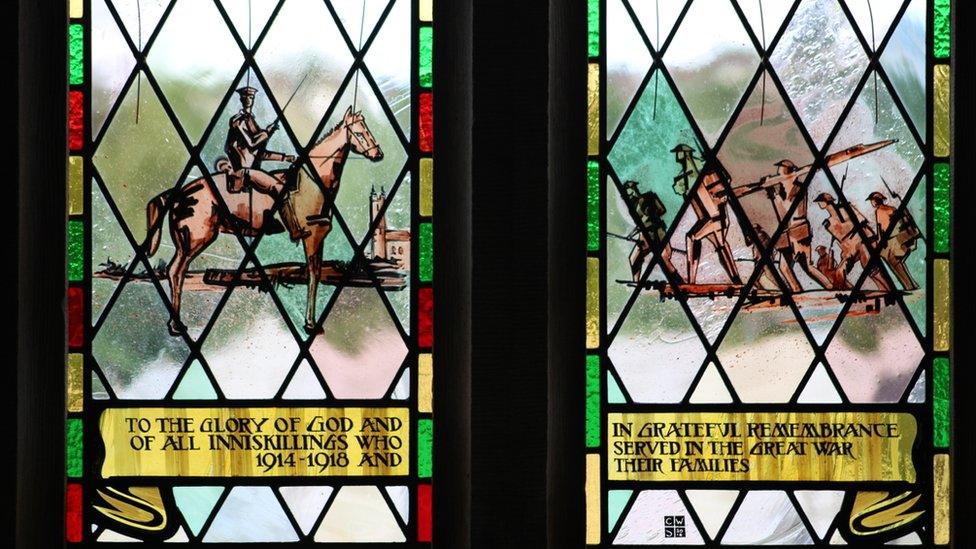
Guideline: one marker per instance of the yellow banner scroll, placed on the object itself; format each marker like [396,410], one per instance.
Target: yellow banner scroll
[770,446]
[255,442]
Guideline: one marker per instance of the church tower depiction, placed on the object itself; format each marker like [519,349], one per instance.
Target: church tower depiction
[376,202]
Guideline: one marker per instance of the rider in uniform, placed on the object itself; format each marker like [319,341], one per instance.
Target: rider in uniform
[897,246]
[650,230]
[246,148]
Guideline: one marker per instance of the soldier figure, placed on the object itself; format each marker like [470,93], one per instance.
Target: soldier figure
[852,246]
[827,264]
[758,248]
[650,229]
[795,243]
[246,148]
[710,207]
[900,243]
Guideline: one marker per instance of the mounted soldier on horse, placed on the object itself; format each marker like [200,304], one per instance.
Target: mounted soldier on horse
[198,211]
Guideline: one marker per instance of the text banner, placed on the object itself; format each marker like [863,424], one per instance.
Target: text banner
[255,442]
[761,446]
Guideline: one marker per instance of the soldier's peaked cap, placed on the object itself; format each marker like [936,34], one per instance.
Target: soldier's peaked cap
[877,196]
[247,91]
[824,197]
[682,147]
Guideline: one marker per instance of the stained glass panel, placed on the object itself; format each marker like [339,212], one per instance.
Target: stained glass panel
[768,272]
[250,266]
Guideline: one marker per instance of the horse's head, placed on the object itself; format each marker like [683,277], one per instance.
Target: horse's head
[359,137]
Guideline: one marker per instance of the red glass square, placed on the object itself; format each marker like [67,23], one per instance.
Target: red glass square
[76,317]
[425,317]
[76,120]
[424,521]
[426,122]
[72,518]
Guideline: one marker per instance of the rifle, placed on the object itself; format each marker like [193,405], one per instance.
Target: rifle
[891,193]
[622,237]
[288,102]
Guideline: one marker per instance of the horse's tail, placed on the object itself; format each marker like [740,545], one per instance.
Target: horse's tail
[154,223]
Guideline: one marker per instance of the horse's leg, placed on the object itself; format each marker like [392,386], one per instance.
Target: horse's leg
[190,236]
[177,272]
[313,264]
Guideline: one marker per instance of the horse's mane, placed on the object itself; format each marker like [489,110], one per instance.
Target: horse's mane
[329,134]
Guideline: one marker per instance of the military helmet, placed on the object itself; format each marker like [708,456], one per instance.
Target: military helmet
[824,197]
[876,196]
[786,163]
[630,184]
[683,147]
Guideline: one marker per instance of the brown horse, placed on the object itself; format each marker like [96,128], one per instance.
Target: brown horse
[199,212]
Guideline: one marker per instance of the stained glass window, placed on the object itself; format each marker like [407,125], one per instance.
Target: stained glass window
[768,293]
[250,271]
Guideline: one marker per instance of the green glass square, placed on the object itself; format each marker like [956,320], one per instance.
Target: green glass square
[940,402]
[942,23]
[593,205]
[593,13]
[426,56]
[941,207]
[74,435]
[592,401]
[76,251]
[425,441]
[426,252]
[76,54]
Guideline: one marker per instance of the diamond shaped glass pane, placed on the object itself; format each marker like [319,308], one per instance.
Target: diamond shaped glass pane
[875,355]
[765,352]
[819,61]
[905,67]
[889,170]
[627,63]
[248,346]
[656,352]
[154,157]
[712,60]
[138,356]
[304,35]
[389,62]
[112,63]
[195,60]
[360,351]
[643,151]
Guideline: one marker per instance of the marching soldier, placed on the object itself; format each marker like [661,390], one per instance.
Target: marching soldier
[902,240]
[795,243]
[784,188]
[650,230]
[845,231]
[710,207]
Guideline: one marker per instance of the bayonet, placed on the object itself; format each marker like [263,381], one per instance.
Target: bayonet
[891,193]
